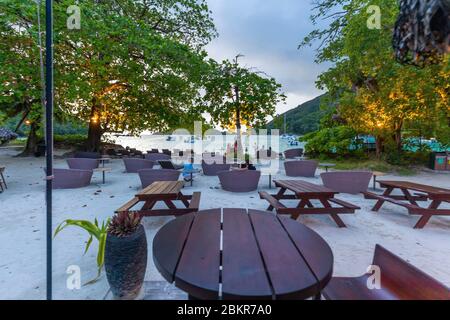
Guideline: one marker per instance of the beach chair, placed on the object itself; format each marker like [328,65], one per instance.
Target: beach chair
[87,155]
[82,163]
[214,168]
[3,185]
[133,165]
[157,156]
[167,164]
[352,182]
[300,168]
[399,280]
[293,153]
[239,180]
[71,178]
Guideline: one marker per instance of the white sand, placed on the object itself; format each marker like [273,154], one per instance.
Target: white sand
[22,228]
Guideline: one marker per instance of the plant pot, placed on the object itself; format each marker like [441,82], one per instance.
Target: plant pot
[125,264]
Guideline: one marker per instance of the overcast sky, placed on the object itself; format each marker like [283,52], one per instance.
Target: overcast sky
[267,33]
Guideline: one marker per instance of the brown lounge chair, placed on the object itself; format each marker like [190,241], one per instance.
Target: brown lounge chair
[399,281]
[293,153]
[300,168]
[133,165]
[239,180]
[347,181]
[148,176]
[213,169]
[156,156]
[82,163]
[71,178]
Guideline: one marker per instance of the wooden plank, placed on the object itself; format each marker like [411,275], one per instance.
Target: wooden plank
[344,204]
[431,190]
[301,188]
[198,271]
[168,245]
[313,248]
[243,274]
[127,206]
[274,203]
[289,274]
[195,201]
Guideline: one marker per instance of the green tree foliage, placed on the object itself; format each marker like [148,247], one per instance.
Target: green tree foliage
[236,96]
[376,94]
[338,140]
[133,65]
[303,119]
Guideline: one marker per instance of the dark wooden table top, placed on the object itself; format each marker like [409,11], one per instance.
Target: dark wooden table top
[301,187]
[240,254]
[161,188]
[430,190]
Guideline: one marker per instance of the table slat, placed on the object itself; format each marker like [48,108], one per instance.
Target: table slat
[168,245]
[243,274]
[290,275]
[310,244]
[200,260]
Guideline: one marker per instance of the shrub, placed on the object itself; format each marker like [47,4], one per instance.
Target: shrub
[335,141]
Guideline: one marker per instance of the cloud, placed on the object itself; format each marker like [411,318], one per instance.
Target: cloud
[267,33]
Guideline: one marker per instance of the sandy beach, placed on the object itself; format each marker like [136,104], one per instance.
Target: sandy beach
[22,229]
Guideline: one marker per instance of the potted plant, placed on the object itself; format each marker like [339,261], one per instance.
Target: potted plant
[96,231]
[126,256]
[122,250]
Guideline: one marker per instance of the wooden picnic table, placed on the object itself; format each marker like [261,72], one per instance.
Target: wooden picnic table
[305,192]
[242,254]
[163,191]
[411,194]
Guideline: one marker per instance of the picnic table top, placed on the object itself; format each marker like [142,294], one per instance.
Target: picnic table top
[415,186]
[161,188]
[303,187]
[261,256]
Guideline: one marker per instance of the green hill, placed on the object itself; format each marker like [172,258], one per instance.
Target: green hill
[300,120]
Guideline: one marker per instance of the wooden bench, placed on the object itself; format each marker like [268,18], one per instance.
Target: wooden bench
[399,281]
[166,192]
[344,204]
[273,202]
[195,201]
[411,208]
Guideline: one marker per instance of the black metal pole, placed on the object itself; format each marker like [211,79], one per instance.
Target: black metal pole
[49,134]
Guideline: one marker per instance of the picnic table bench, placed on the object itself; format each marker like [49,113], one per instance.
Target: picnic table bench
[408,200]
[305,192]
[163,191]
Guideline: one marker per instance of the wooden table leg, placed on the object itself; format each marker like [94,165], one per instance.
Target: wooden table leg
[426,217]
[278,196]
[379,203]
[148,205]
[303,203]
[170,204]
[334,216]
[184,200]
[409,197]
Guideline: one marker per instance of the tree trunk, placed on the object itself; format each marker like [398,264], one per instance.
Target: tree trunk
[398,139]
[95,132]
[32,140]
[379,147]
[238,124]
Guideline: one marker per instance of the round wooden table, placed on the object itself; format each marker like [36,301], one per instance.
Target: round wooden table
[240,254]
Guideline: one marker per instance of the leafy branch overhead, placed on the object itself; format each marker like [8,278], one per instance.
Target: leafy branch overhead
[236,95]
